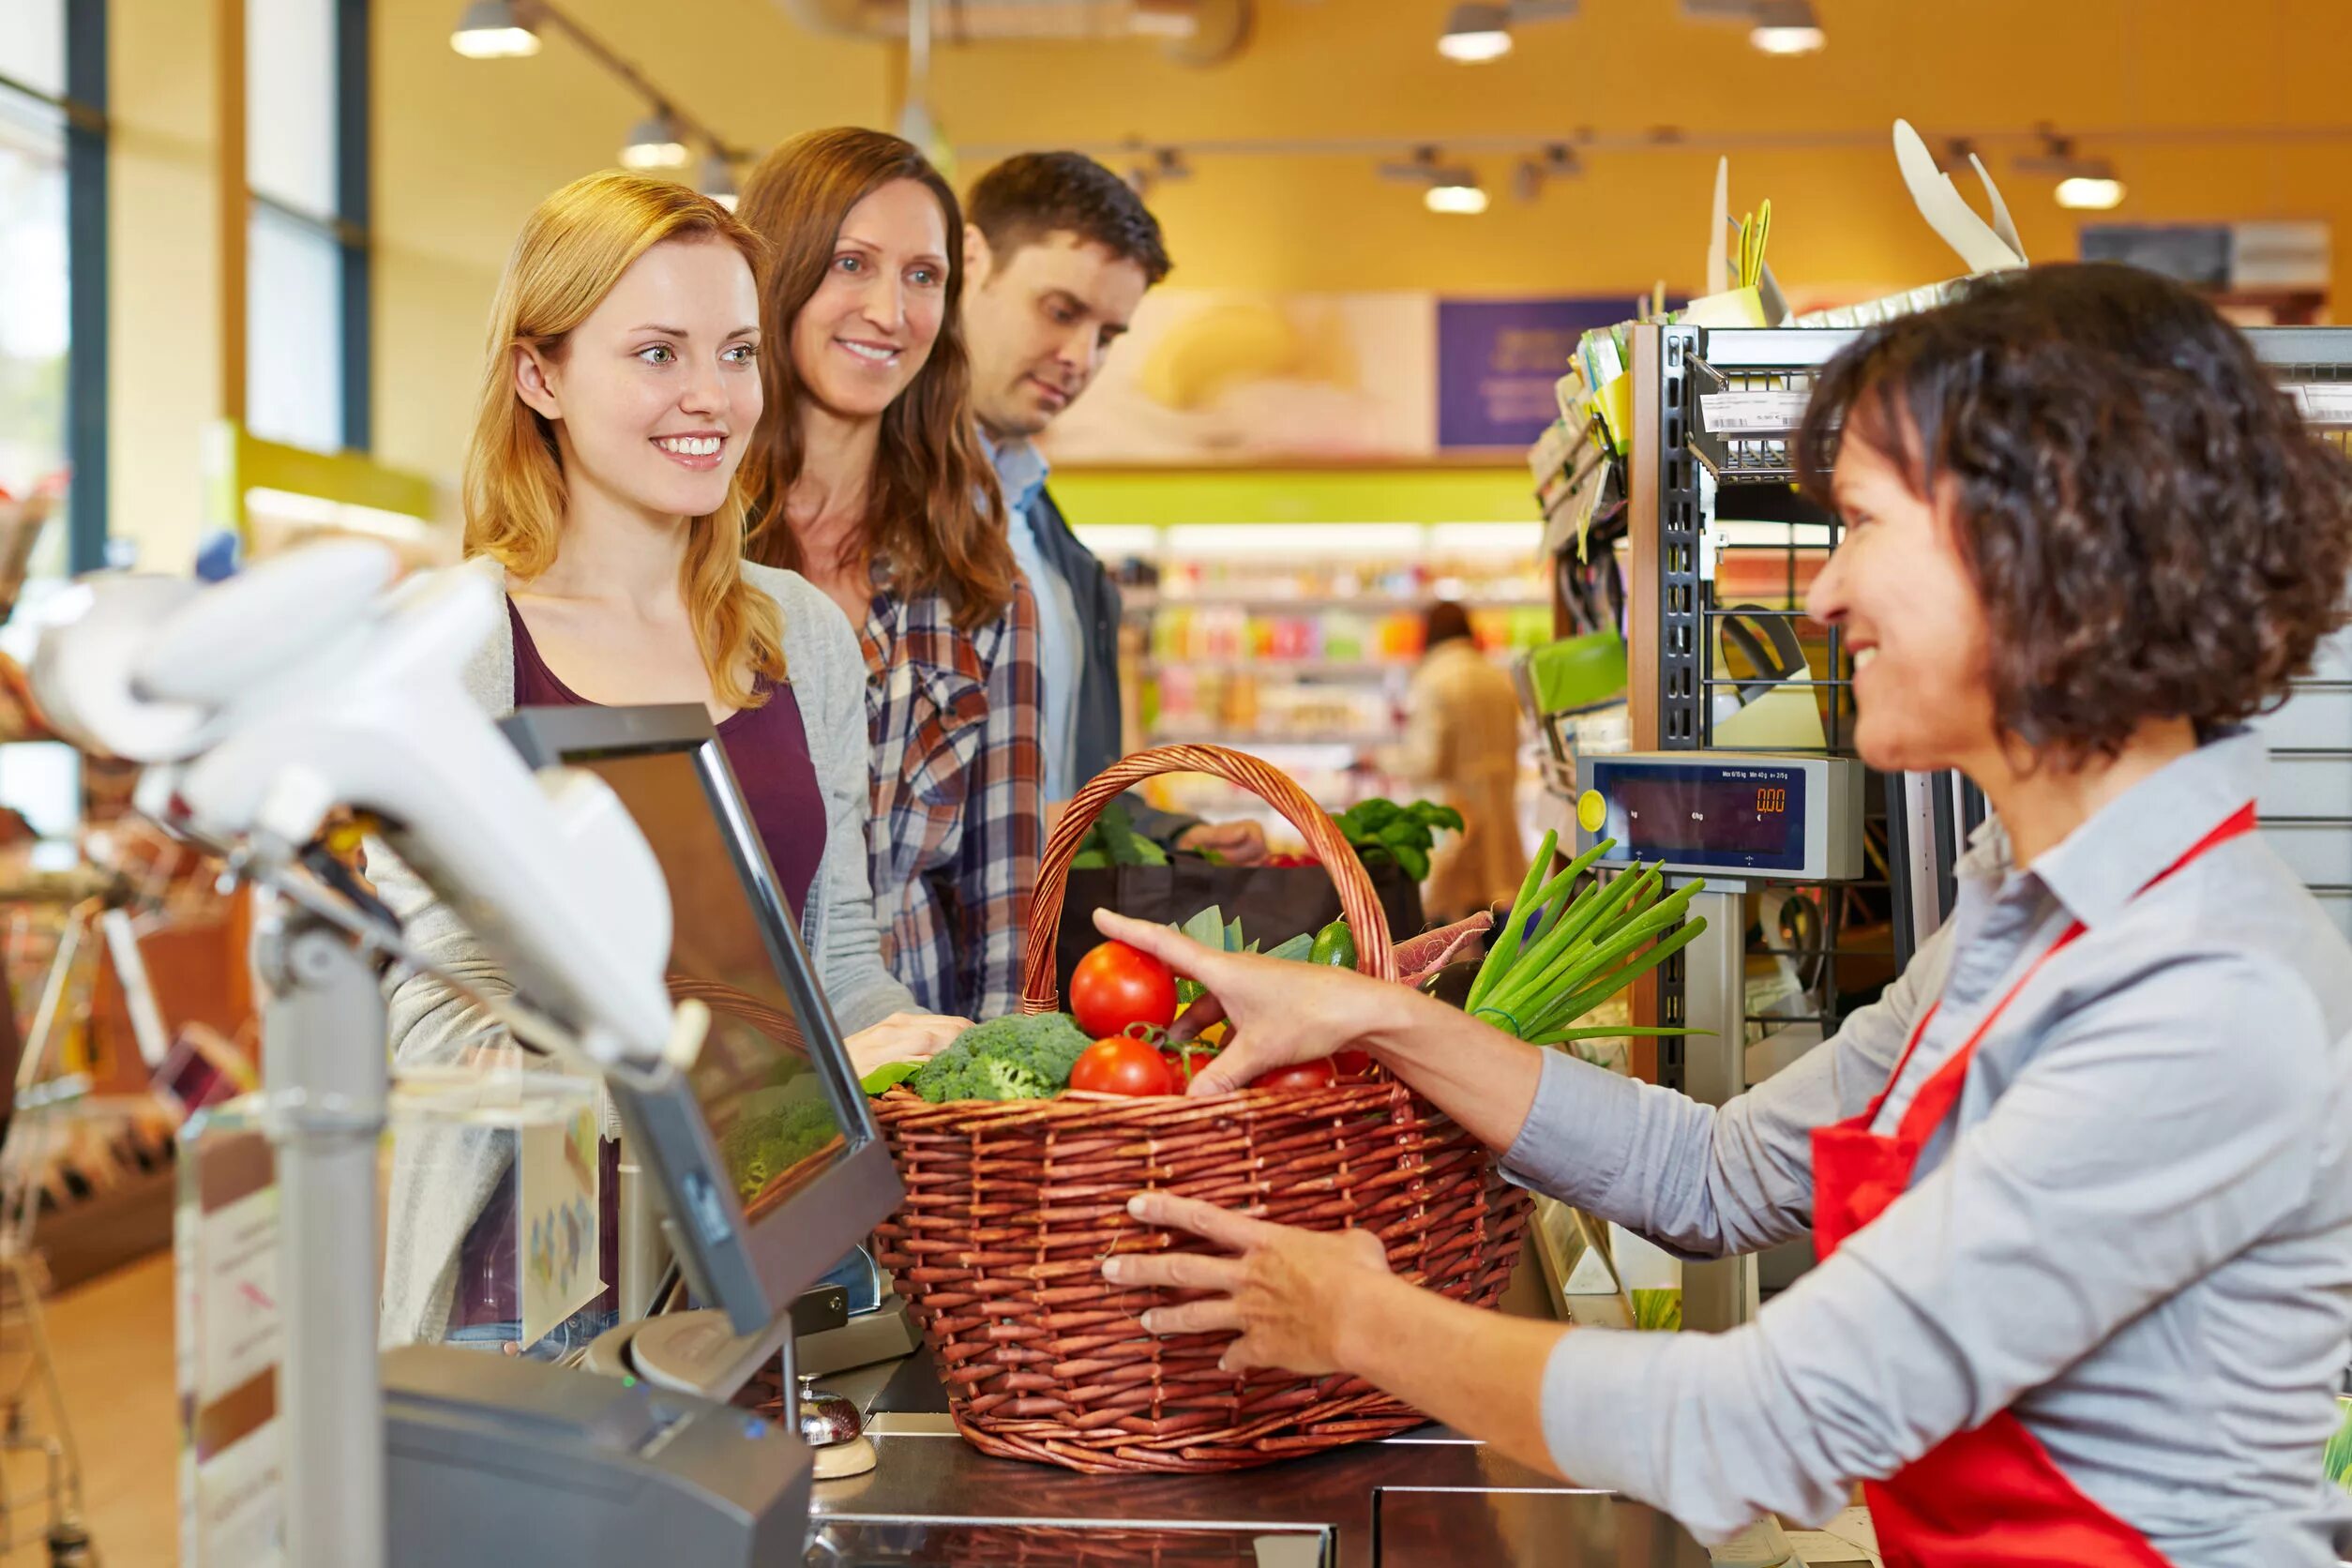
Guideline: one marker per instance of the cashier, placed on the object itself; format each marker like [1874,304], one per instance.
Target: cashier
[2081,1182]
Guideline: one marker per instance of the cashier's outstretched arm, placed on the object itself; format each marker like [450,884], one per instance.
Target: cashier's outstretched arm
[1324,1301]
[1283,1012]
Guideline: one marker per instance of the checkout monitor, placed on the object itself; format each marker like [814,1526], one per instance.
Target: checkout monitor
[772,1163]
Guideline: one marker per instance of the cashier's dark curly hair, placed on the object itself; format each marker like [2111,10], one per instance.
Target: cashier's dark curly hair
[2154,532]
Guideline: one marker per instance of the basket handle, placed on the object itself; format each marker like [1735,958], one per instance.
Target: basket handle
[1374,957]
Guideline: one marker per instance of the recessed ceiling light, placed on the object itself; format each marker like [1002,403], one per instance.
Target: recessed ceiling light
[1461,194]
[1786,27]
[493,30]
[656,143]
[717,180]
[1476,33]
[2090,192]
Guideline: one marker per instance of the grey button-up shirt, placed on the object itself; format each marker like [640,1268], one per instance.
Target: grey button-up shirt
[2135,1233]
[1020,473]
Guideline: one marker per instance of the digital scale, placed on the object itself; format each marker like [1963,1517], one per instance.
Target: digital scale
[1737,819]
[1715,815]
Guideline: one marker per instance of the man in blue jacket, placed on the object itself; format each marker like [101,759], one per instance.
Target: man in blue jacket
[1058,254]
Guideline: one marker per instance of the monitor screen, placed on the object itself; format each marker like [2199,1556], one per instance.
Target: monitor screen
[770,1160]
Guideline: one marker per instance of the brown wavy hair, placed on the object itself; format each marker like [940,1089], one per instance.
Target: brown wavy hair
[2154,532]
[934,513]
[571,252]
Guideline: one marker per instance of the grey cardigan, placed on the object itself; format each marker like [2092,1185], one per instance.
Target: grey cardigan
[443,1177]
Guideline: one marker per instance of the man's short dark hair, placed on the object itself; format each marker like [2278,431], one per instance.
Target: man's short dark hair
[1028,198]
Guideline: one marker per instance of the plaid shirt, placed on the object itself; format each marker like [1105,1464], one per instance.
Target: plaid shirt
[959,816]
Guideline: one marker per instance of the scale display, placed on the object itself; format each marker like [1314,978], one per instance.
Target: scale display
[1739,817]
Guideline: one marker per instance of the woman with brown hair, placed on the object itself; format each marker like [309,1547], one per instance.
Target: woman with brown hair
[2080,1183]
[866,478]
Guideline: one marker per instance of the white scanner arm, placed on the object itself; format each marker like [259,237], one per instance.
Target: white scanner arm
[303,685]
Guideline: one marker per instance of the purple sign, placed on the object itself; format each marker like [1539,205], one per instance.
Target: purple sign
[1498,360]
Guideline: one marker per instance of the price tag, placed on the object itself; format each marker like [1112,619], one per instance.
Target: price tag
[1753,412]
[2324,402]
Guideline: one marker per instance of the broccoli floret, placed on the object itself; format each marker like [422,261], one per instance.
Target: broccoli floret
[1005,1059]
[757,1148]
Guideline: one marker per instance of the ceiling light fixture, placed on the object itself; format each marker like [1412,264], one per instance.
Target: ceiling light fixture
[2090,192]
[1788,27]
[1460,195]
[717,180]
[1447,187]
[1477,31]
[494,30]
[2084,183]
[1475,34]
[1558,162]
[656,143]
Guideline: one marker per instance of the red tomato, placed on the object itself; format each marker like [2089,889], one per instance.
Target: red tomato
[1123,1066]
[1115,986]
[1185,1063]
[1299,1075]
[1352,1064]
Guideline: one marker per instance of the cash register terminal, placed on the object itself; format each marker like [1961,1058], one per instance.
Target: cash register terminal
[770,1169]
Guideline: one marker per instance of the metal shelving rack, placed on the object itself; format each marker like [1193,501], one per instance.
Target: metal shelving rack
[2306,806]
[1681,479]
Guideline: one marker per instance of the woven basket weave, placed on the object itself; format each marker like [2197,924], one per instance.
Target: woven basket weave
[1012,1207]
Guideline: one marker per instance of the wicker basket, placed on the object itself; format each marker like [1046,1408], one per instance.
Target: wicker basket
[1012,1207]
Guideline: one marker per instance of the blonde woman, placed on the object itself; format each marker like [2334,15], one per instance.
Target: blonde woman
[623,385]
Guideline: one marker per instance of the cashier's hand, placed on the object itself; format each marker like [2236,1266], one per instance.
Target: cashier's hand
[903,1037]
[1279,1012]
[1287,1293]
[1240,843]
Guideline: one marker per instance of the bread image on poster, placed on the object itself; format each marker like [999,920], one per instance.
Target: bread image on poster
[1214,376]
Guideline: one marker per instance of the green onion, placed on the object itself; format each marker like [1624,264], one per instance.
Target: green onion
[1506,946]
[1536,973]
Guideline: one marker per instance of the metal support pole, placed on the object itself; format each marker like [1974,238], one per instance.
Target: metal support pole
[1718,1295]
[326,1086]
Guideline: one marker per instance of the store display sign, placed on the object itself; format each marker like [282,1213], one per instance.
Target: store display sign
[229,1338]
[1236,377]
[1499,360]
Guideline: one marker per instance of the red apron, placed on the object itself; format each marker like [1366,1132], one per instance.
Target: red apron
[1990,1497]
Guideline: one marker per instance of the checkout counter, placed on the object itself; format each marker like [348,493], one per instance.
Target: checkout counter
[1424,1499]
[910,1490]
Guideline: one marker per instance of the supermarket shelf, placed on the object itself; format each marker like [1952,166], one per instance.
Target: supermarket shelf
[1140,600]
[1303,737]
[1339,667]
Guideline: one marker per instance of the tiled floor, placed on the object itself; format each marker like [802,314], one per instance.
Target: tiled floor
[112,1340]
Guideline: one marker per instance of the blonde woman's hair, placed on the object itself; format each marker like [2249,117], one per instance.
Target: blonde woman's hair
[571,253]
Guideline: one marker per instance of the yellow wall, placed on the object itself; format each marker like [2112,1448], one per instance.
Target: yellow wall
[163,369]
[463,148]
[1367,69]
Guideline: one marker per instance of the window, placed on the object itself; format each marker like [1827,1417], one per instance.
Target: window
[53,270]
[307,241]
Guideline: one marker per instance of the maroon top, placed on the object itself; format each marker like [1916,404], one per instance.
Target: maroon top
[767,746]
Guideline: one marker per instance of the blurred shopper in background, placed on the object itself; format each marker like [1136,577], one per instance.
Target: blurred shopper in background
[1461,746]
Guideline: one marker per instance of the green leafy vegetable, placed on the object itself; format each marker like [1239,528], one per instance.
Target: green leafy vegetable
[885,1077]
[760,1148]
[1382,830]
[1017,1058]
[1113,841]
